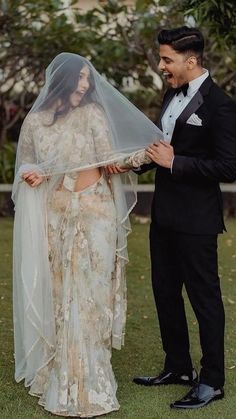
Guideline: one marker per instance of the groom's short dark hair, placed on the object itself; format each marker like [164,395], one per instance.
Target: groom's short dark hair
[183,40]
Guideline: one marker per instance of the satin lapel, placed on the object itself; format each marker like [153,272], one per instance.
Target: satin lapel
[169,96]
[192,107]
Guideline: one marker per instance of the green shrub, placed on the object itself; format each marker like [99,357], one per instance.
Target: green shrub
[148,177]
[7,162]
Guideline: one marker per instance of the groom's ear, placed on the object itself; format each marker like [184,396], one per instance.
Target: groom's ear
[192,62]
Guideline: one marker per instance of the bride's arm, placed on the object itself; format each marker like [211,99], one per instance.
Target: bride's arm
[26,155]
[135,160]
[101,134]
[103,145]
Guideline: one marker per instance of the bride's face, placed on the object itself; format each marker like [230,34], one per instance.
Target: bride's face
[82,87]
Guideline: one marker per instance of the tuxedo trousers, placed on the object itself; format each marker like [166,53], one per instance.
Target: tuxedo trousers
[179,259]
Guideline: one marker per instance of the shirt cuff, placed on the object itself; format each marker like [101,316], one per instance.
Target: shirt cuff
[171,165]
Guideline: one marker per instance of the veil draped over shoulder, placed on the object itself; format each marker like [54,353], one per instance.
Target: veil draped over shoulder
[58,142]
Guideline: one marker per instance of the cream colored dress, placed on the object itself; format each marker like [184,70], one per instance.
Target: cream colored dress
[88,289]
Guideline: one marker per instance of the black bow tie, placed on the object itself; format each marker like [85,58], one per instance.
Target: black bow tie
[183,89]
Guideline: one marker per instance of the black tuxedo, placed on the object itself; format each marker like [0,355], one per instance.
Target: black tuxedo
[187,215]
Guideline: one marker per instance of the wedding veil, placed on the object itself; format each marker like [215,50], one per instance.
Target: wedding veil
[117,129]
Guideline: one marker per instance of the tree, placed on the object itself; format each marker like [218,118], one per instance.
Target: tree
[31,33]
[118,39]
[218,20]
[219,17]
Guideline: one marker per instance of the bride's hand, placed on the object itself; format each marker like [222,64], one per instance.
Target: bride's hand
[32,178]
[113,169]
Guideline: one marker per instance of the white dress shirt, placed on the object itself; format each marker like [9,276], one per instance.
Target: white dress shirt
[176,107]
[178,104]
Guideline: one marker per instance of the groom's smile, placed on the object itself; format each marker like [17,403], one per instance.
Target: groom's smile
[174,66]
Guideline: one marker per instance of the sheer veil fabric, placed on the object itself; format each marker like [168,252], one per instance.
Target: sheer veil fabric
[59,142]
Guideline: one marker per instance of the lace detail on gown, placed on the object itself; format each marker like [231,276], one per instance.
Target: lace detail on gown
[79,381]
[89,289]
[135,160]
[82,236]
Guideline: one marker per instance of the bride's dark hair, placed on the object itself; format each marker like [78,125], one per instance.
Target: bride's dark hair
[62,81]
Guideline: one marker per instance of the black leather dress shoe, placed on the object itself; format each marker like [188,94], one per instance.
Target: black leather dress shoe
[168,378]
[199,396]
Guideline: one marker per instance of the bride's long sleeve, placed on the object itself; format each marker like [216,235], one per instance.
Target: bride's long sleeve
[26,151]
[135,160]
[101,134]
[103,143]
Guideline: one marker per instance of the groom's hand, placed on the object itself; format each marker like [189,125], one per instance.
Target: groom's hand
[161,153]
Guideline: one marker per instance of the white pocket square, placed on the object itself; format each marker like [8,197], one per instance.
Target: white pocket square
[194,120]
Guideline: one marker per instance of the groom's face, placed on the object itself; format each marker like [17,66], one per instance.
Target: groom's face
[173,65]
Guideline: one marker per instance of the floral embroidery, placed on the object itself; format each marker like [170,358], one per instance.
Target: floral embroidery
[86,275]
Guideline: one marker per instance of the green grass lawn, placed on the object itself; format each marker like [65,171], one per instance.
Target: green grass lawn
[142,353]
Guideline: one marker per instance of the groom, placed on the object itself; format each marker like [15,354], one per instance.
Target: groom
[199,124]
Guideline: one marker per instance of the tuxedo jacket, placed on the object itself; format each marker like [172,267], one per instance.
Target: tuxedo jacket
[189,199]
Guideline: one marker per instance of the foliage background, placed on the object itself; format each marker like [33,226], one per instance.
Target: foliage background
[119,40]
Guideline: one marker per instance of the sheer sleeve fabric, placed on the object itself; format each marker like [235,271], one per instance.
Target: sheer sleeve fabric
[103,145]
[101,134]
[136,159]
[26,150]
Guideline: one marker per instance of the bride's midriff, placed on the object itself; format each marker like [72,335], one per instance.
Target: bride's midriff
[87,178]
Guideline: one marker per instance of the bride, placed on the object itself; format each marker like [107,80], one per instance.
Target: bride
[71,224]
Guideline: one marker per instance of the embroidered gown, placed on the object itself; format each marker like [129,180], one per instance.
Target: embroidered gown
[88,284]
